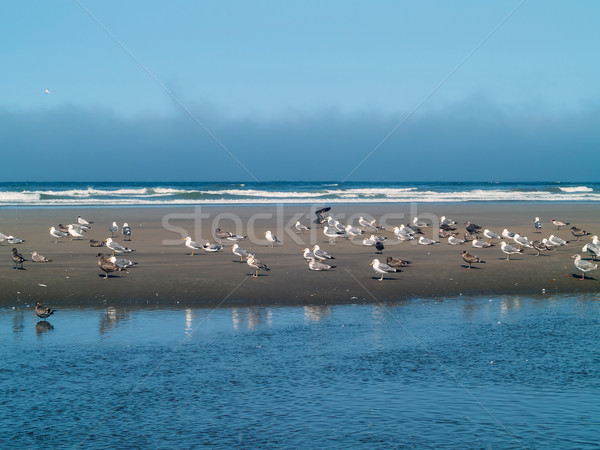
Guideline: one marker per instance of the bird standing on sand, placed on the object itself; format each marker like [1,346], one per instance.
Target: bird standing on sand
[126,230]
[521,241]
[509,249]
[321,254]
[578,232]
[56,234]
[107,266]
[114,229]
[307,254]
[271,238]
[540,246]
[43,312]
[381,268]
[507,234]
[255,264]
[491,235]
[74,232]
[239,251]
[83,222]
[17,258]
[300,228]
[319,266]
[559,224]
[192,245]
[36,257]
[379,246]
[116,247]
[584,266]
[470,258]
[537,224]
[472,228]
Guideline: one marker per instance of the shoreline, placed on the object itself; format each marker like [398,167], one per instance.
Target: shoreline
[166,275]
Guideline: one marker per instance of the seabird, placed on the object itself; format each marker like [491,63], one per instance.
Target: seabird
[559,224]
[509,249]
[220,235]
[455,241]
[578,232]
[427,241]
[212,247]
[446,227]
[123,263]
[14,240]
[3,237]
[443,234]
[556,240]
[308,255]
[584,266]
[353,231]
[17,258]
[256,264]
[468,237]
[74,233]
[339,226]
[43,312]
[521,241]
[107,266]
[370,241]
[445,221]
[126,230]
[301,228]
[317,265]
[592,249]
[36,257]
[332,234]
[379,246]
[94,243]
[321,254]
[239,251]
[378,227]
[491,235]
[470,258]
[82,221]
[113,229]
[472,228]
[381,268]
[393,261]
[57,234]
[548,243]
[540,246]
[271,238]
[480,244]
[404,233]
[320,215]
[537,224]
[192,245]
[366,224]
[419,223]
[116,247]
[507,234]
[64,229]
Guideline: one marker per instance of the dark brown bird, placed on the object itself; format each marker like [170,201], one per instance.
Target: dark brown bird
[17,258]
[43,312]
[578,232]
[393,261]
[472,228]
[94,243]
[540,246]
[62,228]
[107,266]
[379,246]
[470,259]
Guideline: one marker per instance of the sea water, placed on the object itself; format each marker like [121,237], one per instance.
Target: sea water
[484,372]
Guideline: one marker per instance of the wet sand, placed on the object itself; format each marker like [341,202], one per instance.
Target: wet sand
[166,274]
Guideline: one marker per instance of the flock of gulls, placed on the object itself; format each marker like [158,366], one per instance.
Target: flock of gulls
[319,259]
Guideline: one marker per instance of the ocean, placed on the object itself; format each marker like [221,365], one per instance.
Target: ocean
[218,193]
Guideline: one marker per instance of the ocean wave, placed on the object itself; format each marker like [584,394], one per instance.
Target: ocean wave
[576,189]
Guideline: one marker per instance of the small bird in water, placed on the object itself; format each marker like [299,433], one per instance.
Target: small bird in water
[256,264]
[36,257]
[43,312]
[126,230]
[470,258]
[559,224]
[107,266]
[17,258]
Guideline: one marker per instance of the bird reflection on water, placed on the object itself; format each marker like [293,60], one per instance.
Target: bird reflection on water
[42,327]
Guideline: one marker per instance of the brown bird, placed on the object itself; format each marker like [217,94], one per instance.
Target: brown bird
[17,258]
[255,264]
[578,232]
[43,312]
[94,243]
[392,261]
[540,246]
[107,266]
[470,259]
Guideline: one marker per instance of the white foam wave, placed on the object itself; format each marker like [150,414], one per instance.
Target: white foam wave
[576,189]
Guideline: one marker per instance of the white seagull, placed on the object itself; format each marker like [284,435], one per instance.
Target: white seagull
[455,241]
[556,240]
[74,233]
[113,229]
[255,264]
[584,266]
[126,230]
[212,247]
[537,224]
[491,235]
[319,266]
[419,223]
[381,268]
[522,241]
[308,255]
[301,228]
[427,241]
[116,247]
[480,244]
[559,224]
[509,249]
[321,254]
[271,238]
[507,234]
[83,222]
[239,251]
[366,224]
[192,245]
[56,234]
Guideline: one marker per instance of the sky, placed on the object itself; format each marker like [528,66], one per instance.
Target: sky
[269,90]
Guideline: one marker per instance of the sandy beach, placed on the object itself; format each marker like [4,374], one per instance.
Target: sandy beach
[167,274]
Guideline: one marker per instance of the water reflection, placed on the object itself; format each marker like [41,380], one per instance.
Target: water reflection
[111,318]
[18,322]
[252,317]
[315,313]
[42,327]
[188,321]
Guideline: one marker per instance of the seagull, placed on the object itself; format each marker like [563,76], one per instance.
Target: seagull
[366,224]
[491,235]
[17,258]
[584,266]
[113,229]
[46,91]
[320,220]
[578,232]
[521,241]
[470,237]
[339,226]
[559,224]
[445,221]
[212,247]
[381,268]
[107,266]
[13,240]
[454,241]
[123,263]
[472,228]
[255,264]
[3,237]
[321,254]
[64,229]
[332,234]
[470,258]
[404,233]
[446,234]
[94,243]
[426,241]
[378,227]
[319,266]
[369,241]
[239,251]
[556,240]
[82,221]
[480,244]
[36,257]
[308,255]
[592,249]
[550,244]
[126,230]
[540,246]
[116,247]
[271,238]
[507,234]
[352,231]
[57,234]
[509,249]
[193,245]
[419,223]
[43,312]
[393,261]
[301,228]
[379,246]
[220,234]
[537,224]
[446,227]
[330,221]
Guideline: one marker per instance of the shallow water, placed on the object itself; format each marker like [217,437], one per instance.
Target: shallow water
[495,372]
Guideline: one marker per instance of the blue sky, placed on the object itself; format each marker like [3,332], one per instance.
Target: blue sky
[195,90]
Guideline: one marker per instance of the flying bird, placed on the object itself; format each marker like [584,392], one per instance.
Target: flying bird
[320,213]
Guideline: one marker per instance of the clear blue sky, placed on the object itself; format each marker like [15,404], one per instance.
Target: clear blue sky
[300,90]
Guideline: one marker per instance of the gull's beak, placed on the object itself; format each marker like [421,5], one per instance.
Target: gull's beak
[371,263]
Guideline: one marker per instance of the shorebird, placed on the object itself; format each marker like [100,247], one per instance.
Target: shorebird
[379,246]
[193,245]
[393,261]
[107,266]
[300,228]
[584,266]
[537,224]
[353,231]
[94,243]
[404,233]
[36,257]
[507,234]
[559,224]
[74,233]
[370,241]
[470,258]
[43,312]
[332,234]
[212,247]
[321,254]
[540,246]
[592,249]
[381,268]
[123,263]
[452,240]
[256,264]
[509,249]
[56,234]
[366,224]
[476,243]
[239,251]
[419,223]
[83,222]
[578,232]
[319,266]
[472,228]
[116,247]
[556,240]
[320,213]
[17,258]
[271,238]
[445,221]
[126,230]
[427,241]
[491,235]
[521,241]
[307,254]
[114,228]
